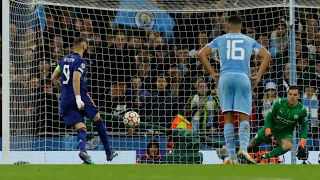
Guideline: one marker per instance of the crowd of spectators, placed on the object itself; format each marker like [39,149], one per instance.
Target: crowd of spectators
[140,70]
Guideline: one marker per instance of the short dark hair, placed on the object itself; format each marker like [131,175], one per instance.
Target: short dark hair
[161,76]
[78,41]
[293,87]
[298,39]
[135,77]
[235,20]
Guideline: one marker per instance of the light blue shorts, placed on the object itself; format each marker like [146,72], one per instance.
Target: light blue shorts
[235,93]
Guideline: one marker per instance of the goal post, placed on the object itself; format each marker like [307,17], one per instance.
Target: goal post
[5,86]
[293,69]
[142,56]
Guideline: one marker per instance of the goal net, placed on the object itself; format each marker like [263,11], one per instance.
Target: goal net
[142,56]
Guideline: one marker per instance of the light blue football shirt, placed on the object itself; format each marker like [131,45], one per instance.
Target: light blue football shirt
[235,50]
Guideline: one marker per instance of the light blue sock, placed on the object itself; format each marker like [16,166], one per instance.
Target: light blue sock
[230,139]
[244,134]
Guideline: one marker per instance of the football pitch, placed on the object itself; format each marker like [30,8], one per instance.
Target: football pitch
[160,172]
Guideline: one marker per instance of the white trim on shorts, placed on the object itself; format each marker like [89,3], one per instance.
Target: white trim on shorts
[236,111]
[242,112]
[227,110]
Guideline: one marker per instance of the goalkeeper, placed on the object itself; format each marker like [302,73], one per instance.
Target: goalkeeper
[186,143]
[279,125]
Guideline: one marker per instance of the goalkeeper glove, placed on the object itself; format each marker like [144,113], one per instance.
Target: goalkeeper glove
[268,136]
[80,103]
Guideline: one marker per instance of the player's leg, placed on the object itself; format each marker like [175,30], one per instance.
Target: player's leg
[102,132]
[82,140]
[92,112]
[229,136]
[243,105]
[244,137]
[253,146]
[81,136]
[258,139]
[226,95]
[285,146]
[73,117]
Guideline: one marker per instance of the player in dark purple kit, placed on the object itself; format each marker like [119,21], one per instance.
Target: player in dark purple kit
[75,99]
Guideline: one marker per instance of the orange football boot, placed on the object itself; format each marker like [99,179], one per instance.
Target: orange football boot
[226,162]
[264,161]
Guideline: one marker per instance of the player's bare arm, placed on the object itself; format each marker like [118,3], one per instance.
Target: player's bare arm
[266,57]
[55,78]
[76,88]
[203,56]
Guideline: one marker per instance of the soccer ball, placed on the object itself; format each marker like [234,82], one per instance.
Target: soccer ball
[131,119]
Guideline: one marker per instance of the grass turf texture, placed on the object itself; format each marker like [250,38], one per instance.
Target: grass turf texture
[160,172]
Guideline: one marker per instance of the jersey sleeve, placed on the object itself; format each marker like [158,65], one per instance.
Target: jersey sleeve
[304,123]
[272,113]
[80,66]
[213,44]
[256,46]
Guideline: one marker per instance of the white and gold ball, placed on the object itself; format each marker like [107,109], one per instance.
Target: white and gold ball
[131,119]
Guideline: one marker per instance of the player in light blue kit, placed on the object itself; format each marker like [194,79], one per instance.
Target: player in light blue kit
[76,101]
[234,85]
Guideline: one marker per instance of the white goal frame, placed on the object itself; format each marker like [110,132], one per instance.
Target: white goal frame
[6,82]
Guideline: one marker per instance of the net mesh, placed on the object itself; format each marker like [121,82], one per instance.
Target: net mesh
[145,60]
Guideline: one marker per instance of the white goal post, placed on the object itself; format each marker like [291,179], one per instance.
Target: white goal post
[6,84]
[142,57]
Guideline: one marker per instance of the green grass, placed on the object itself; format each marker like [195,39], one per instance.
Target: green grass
[160,172]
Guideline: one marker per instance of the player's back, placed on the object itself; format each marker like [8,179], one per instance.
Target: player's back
[235,51]
[69,64]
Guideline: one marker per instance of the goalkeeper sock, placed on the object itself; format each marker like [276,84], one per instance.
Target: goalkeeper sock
[244,134]
[102,132]
[230,139]
[82,139]
[275,152]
